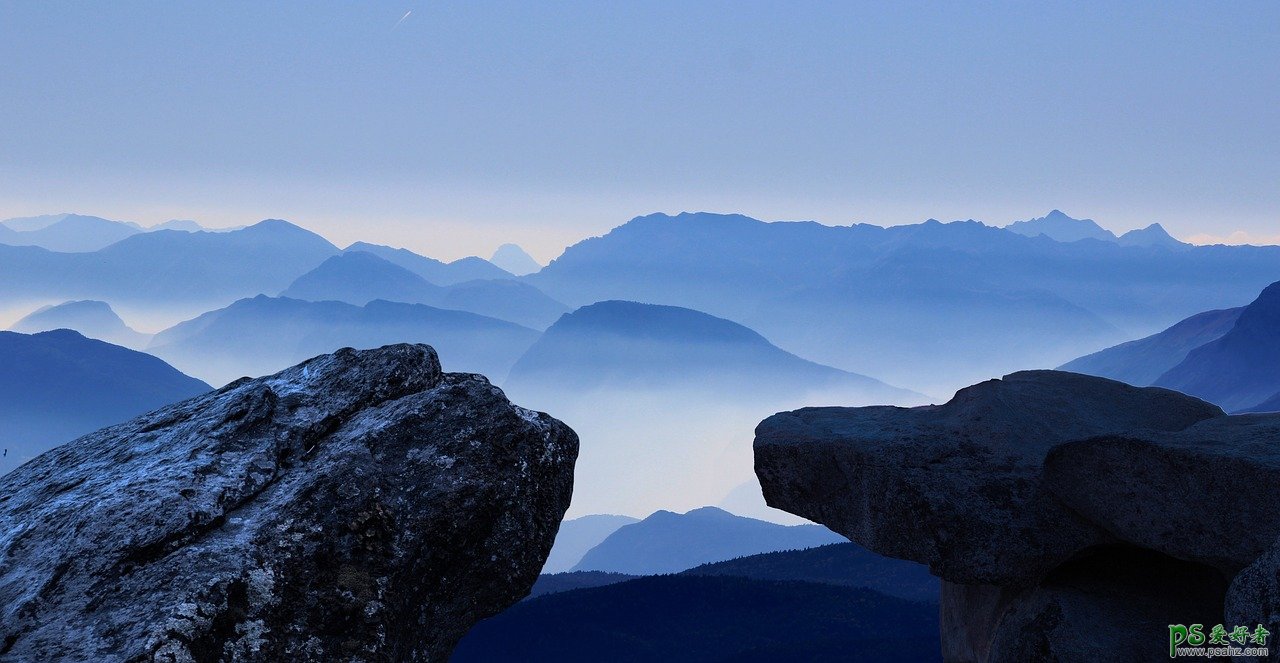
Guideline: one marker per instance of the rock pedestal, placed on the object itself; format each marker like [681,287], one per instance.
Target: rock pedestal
[1070,517]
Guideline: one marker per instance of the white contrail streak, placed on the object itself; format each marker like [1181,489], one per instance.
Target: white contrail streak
[402,18]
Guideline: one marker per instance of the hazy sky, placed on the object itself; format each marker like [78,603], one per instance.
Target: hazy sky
[468,124]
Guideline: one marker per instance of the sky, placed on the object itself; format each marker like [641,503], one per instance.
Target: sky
[451,127]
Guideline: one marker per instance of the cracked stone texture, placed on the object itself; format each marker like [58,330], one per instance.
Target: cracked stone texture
[361,506]
[959,486]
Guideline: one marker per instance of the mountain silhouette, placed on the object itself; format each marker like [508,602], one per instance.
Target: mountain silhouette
[843,564]
[513,259]
[168,267]
[847,564]
[66,232]
[92,318]
[667,542]
[435,271]
[554,583]
[1241,369]
[1152,235]
[28,223]
[578,535]
[1059,227]
[628,344]
[186,225]
[667,394]
[931,306]
[1271,404]
[1143,361]
[262,335]
[59,385]
[359,277]
[705,619]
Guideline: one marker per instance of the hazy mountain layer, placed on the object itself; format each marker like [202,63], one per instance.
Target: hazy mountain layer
[1059,227]
[578,535]
[1143,361]
[261,335]
[667,542]
[668,395]
[167,268]
[65,232]
[91,318]
[359,277]
[1241,369]
[843,564]
[513,259]
[59,385]
[618,344]
[929,306]
[435,271]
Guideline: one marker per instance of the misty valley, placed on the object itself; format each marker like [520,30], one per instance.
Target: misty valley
[292,450]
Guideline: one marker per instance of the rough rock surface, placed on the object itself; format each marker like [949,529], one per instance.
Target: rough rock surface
[1254,595]
[1070,517]
[361,506]
[958,486]
[1208,494]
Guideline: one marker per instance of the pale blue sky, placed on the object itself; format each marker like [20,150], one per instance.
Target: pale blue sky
[469,124]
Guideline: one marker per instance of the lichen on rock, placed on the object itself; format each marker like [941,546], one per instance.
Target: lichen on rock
[361,506]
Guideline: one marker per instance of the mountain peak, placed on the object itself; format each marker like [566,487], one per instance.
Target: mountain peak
[669,542]
[1057,225]
[274,225]
[1152,235]
[515,260]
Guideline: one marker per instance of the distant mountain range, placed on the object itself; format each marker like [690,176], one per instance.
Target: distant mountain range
[667,542]
[261,335]
[1059,227]
[689,618]
[1229,357]
[65,232]
[167,267]
[435,271]
[175,268]
[1240,369]
[578,535]
[76,233]
[929,306]
[844,564]
[514,259]
[668,395]
[1143,361]
[629,345]
[59,385]
[359,277]
[91,318]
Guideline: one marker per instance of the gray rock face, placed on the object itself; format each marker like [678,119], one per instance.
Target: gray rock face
[1254,595]
[958,486]
[1209,493]
[361,506]
[1070,517]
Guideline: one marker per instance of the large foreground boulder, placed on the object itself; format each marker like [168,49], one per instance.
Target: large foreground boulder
[958,486]
[1070,517]
[361,506]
